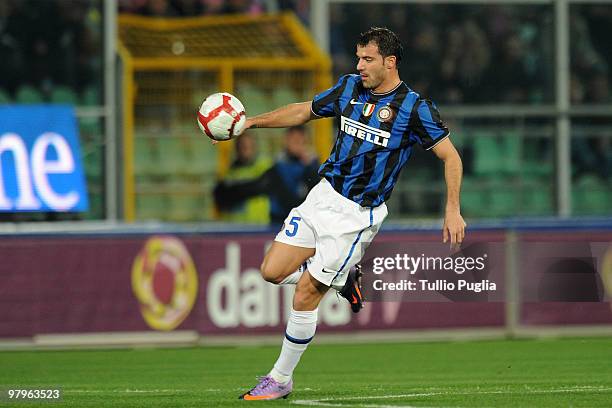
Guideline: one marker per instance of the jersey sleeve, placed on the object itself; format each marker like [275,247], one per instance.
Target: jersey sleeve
[323,104]
[426,128]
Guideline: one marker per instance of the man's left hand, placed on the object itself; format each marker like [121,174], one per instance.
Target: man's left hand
[454,228]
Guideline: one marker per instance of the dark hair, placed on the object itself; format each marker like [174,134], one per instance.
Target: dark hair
[387,41]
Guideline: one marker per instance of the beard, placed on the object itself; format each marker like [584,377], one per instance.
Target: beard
[371,82]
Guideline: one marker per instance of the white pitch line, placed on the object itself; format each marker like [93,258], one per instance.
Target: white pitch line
[126,391]
[328,402]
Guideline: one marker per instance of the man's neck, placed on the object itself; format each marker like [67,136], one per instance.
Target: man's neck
[388,85]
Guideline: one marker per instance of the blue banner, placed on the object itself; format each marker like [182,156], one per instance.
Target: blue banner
[40,160]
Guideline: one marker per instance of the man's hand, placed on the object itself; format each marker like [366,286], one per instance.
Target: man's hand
[454,228]
[247,124]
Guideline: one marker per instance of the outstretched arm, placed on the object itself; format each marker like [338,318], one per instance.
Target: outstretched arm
[454,225]
[290,115]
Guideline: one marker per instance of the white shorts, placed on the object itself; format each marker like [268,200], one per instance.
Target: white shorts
[339,229]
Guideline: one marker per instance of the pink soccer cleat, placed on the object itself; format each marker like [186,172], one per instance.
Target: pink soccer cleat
[268,389]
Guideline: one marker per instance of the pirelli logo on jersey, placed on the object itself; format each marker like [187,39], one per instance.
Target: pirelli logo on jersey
[364,132]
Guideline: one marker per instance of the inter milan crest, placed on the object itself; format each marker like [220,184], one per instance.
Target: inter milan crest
[368,109]
[385,114]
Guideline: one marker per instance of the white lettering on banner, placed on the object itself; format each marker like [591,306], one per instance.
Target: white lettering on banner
[253,311]
[42,167]
[11,142]
[37,169]
[390,308]
[252,302]
[333,312]
[225,279]
[362,131]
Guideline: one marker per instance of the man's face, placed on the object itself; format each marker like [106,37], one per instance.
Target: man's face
[246,148]
[371,66]
[296,143]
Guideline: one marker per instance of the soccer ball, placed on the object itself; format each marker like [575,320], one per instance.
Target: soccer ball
[221,116]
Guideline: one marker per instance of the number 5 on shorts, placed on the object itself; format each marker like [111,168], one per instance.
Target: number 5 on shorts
[295,225]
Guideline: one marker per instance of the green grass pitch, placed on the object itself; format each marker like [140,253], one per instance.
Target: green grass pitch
[519,373]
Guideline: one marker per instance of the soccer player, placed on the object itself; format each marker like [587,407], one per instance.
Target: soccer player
[381,119]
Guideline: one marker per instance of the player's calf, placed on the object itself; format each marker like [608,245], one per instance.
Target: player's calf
[308,293]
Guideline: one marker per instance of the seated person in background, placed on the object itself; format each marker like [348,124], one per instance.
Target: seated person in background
[294,171]
[247,167]
[286,183]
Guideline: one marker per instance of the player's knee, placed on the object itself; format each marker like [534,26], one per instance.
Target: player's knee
[269,272]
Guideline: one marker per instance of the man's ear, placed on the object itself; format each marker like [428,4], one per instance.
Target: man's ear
[391,62]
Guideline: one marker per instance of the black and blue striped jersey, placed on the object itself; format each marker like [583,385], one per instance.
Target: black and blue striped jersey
[375,137]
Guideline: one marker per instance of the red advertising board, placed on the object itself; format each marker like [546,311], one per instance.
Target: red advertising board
[211,284]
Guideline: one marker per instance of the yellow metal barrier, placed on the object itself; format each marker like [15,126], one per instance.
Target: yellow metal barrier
[170,65]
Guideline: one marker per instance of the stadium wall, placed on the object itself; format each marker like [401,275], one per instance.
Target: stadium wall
[184,286]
